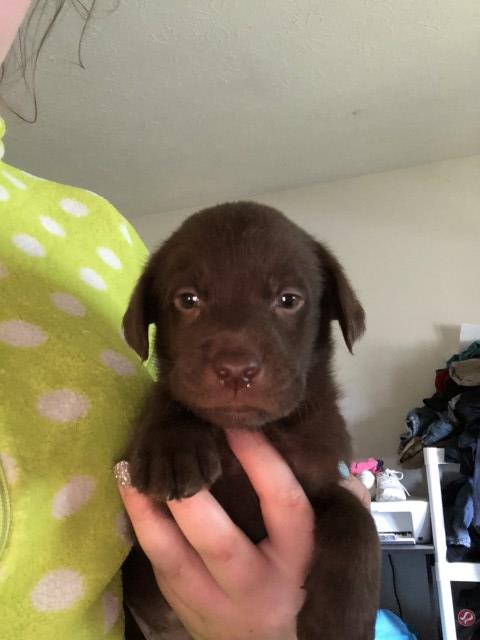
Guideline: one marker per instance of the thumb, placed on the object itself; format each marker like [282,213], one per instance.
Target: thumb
[147,518]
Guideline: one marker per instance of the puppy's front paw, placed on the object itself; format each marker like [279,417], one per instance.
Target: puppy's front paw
[175,464]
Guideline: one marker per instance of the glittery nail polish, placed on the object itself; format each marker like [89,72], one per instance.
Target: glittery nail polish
[121,472]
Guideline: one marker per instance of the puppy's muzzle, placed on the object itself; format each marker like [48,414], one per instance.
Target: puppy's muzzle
[236,369]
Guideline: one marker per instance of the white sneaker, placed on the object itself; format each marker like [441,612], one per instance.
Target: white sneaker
[389,487]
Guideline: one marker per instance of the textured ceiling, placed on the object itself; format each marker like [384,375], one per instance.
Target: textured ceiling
[185,103]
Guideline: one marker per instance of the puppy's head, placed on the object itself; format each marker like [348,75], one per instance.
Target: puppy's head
[242,299]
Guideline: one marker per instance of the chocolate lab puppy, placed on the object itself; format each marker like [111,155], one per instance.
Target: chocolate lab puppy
[243,301]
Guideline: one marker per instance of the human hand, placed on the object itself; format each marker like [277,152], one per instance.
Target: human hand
[353,484]
[221,585]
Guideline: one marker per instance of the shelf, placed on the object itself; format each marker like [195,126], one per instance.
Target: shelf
[445,572]
[462,571]
[418,548]
[436,455]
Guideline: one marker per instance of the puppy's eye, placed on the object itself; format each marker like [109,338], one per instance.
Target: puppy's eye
[187,300]
[289,301]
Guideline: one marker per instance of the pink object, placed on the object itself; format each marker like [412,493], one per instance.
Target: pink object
[371,464]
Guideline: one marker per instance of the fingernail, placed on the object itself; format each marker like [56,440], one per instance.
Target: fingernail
[121,471]
[343,470]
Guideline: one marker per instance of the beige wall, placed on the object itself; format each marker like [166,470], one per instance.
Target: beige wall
[410,241]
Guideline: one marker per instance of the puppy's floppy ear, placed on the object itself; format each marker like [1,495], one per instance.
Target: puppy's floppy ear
[338,301]
[140,314]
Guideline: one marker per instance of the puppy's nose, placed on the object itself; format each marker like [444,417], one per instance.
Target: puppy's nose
[236,370]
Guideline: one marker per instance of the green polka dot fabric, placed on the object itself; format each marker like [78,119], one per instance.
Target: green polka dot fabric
[70,390]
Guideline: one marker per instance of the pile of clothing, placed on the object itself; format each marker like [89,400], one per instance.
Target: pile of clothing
[451,419]
[452,412]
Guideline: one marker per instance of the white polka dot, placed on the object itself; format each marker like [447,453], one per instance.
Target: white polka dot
[29,245]
[92,278]
[15,181]
[63,405]
[72,496]
[68,304]
[52,226]
[57,590]
[3,271]
[18,333]
[74,207]
[109,257]
[120,364]
[123,528]
[125,233]
[10,467]
[4,195]
[111,610]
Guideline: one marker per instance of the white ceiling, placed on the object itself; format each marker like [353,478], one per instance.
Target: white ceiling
[189,102]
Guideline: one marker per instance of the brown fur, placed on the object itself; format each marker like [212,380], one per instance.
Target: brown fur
[240,359]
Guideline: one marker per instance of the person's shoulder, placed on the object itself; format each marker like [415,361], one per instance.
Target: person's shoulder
[22,190]
[22,181]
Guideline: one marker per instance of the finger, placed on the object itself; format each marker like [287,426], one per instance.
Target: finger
[359,490]
[177,566]
[228,554]
[287,513]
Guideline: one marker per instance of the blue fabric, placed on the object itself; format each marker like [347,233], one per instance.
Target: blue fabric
[416,422]
[428,424]
[473,351]
[390,627]
[438,430]
[463,516]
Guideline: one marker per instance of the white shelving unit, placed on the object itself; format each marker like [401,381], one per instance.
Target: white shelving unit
[445,572]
